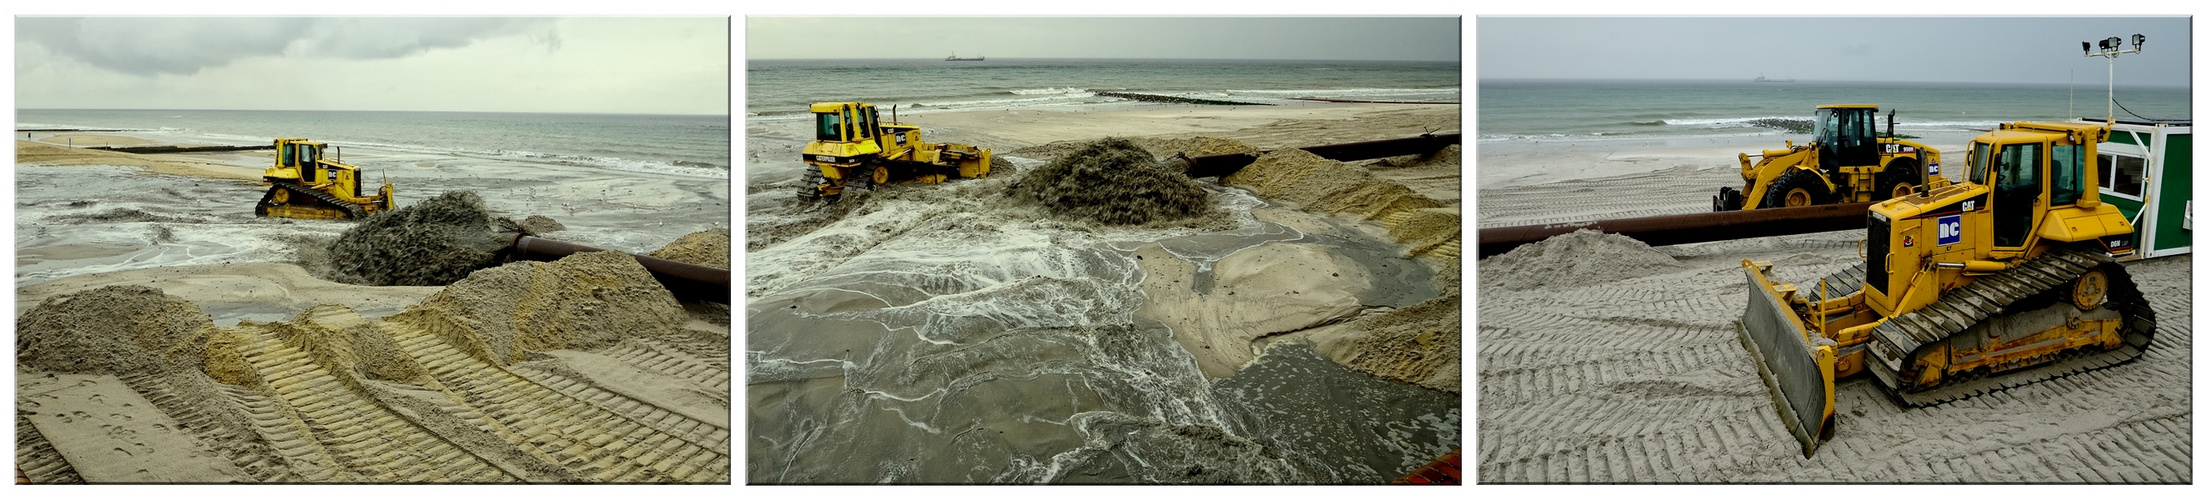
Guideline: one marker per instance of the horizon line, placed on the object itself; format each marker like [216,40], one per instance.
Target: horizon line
[1645,79]
[1457,61]
[22,108]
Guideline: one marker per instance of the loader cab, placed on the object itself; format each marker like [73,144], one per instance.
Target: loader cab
[1846,135]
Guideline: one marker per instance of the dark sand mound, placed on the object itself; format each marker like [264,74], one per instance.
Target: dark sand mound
[1112,181]
[432,243]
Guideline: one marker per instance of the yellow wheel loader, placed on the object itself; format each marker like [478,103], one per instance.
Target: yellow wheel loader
[2006,279]
[853,149]
[1846,162]
[304,185]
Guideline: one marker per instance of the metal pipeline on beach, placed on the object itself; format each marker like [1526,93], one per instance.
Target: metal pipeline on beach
[688,282]
[1220,165]
[1690,228]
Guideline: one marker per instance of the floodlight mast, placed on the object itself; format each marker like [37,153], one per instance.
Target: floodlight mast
[2109,48]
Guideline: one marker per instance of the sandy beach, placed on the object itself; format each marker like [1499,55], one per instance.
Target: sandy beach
[167,335]
[1603,360]
[1175,335]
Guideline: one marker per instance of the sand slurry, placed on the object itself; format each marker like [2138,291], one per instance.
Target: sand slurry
[1601,360]
[430,395]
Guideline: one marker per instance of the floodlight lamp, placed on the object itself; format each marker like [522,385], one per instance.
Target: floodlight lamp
[2137,41]
[2087,47]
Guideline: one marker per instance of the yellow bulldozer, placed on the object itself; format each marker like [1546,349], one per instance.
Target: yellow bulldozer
[305,185]
[2005,279]
[1845,162]
[854,149]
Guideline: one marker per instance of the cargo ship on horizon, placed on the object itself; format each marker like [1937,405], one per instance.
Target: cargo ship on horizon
[954,57]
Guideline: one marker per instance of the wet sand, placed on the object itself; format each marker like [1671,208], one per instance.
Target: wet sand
[958,334]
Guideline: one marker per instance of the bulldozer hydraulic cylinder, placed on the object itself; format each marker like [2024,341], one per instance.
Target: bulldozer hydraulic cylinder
[1690,228]
[689,282]
[1221,165]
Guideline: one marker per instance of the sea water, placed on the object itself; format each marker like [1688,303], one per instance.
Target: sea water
[623,182]
[786,87]
[1516,112]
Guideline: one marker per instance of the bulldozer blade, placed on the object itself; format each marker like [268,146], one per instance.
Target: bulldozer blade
[1798,373]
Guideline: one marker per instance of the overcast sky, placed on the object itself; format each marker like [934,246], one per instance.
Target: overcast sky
[1934,49]
[558,65]
[1388,39]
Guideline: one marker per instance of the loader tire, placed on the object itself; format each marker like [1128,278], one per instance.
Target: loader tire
[1797,188]
[1899,179]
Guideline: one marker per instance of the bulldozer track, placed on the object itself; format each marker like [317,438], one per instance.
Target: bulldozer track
[351,211]
[367,438]
[592,435]
[1988,297]
[37,458]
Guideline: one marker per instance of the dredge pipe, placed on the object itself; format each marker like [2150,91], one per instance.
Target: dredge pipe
[689,282]
[1221,165]
[1691,228]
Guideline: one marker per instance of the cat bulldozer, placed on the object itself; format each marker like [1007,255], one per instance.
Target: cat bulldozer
[2005,279]
[1845,162]
[854,149]
[305,185]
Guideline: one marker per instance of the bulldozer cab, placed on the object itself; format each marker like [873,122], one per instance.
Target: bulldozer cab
[1846,135]
[2040,171]
[846,122]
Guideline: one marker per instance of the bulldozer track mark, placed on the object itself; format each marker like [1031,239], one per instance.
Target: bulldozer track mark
[662,358]
[368,438]
[660,419]
[600,443]
[277,450]
[38,460]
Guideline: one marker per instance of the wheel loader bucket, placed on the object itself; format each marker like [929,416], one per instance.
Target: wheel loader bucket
[1798,373]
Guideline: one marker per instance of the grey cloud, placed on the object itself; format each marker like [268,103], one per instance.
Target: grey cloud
[183,46]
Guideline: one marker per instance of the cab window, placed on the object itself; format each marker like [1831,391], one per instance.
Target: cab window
[2068,174]
[830,127]
[283,157]
[1979,154]
[2018,166]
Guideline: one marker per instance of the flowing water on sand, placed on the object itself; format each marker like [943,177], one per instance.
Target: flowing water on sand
[941,334]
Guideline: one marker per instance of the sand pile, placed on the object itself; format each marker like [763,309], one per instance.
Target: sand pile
[538,224]
[1452,155]
[114,330]
[1428,229]
[432,243]
[583,301]
[1420,344]
[1112,181]
[1579,258]
[705,248]
[1325,186]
